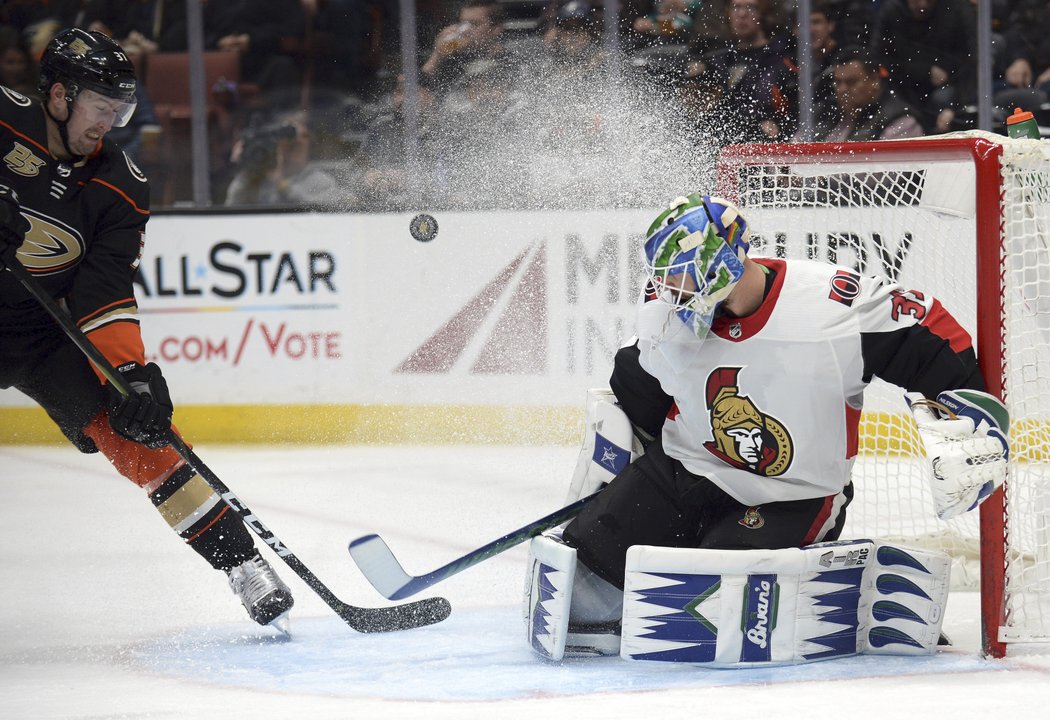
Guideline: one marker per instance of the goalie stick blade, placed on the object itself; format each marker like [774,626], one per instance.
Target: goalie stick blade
[400,617]
[381,568]
[379,565]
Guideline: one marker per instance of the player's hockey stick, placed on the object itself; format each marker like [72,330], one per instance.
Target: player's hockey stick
[400,617]
[381,568]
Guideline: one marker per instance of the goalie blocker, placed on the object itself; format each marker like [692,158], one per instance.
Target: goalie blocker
[739,608]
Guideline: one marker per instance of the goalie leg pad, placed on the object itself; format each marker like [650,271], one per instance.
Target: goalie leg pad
[760,608]
[607,445]
[726,608]
[909,591]
[549,577]
[569,611]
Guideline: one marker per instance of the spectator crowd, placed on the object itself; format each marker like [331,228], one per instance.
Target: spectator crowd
[528,103]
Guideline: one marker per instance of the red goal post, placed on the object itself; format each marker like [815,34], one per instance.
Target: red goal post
[965,217]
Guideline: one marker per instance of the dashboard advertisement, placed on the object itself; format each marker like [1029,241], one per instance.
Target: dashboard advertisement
[497,309]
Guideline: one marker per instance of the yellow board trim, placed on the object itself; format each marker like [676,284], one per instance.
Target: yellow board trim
[450,425]
[339,424]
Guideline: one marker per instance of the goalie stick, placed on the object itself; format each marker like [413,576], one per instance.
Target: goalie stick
[366,620]
[381,568]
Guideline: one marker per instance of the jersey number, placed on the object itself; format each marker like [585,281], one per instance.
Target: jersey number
[22,161]
[908,302]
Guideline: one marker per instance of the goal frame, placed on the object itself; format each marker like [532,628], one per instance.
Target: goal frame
[986,156]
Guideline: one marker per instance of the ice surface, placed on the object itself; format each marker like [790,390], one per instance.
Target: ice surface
[105,615]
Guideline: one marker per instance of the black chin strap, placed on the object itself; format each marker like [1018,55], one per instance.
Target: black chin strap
[63,125]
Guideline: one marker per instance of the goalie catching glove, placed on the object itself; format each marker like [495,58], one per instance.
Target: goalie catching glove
[964,433]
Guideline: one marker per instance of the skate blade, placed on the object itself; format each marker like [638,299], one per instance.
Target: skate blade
[283,624]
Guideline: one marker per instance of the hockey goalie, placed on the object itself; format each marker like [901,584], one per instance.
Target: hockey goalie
[723,451]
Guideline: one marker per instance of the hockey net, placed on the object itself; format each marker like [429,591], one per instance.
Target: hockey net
[966,218]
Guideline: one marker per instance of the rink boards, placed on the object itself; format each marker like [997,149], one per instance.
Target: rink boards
[342,327]
[317,327]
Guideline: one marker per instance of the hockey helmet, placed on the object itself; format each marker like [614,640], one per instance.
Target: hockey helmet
[694,254]
[89,60]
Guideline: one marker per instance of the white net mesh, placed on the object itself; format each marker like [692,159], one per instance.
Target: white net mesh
[1026,342]
[910,215]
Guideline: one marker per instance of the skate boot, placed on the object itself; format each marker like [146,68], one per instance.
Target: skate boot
[264,595]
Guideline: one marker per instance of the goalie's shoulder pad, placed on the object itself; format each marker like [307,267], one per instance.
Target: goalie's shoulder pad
[978,406]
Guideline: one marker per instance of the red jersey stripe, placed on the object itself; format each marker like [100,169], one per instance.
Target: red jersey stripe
[852,431]
[943,325]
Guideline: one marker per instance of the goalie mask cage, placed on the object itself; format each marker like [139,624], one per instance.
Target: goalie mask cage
[964,217]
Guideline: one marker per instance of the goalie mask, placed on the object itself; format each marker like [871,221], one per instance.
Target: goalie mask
[694,254]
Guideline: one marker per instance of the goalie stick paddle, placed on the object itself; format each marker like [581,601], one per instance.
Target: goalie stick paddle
[381,568]
[366,620]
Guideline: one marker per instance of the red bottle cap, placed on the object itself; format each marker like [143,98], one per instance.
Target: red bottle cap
[1019,116]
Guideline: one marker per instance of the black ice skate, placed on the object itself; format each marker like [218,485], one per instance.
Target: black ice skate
[263,594]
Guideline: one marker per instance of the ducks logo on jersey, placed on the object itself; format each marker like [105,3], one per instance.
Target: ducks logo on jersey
[50,246]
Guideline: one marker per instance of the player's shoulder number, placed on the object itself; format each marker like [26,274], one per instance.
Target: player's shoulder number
[908,302]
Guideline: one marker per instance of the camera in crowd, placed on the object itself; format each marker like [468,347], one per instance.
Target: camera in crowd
[260,145]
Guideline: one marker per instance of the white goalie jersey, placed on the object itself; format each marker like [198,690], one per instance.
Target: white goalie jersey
[768,406]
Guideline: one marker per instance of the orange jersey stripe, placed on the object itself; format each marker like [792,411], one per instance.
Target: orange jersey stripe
[143,466]
[206,527]
[123,194]
[119,342]
[28,139]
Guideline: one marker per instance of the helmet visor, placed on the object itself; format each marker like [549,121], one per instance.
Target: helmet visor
[102,109]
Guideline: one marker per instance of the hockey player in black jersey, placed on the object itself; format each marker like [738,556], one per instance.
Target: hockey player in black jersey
[73,212]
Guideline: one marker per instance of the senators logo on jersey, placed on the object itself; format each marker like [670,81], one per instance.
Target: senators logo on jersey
[752,519]
[744,436]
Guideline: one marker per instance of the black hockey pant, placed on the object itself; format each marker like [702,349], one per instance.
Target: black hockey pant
[656,501]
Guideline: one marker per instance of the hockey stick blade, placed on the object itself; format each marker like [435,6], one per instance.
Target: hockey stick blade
[379,566]
[366,620]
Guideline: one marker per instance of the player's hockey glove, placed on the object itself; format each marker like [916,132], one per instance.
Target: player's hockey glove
[965,436]
[145,415]
[13,226]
